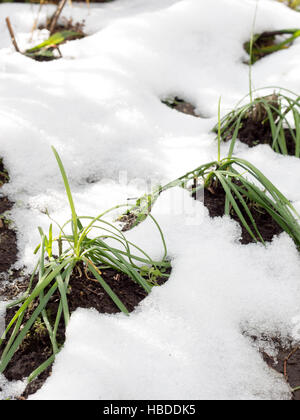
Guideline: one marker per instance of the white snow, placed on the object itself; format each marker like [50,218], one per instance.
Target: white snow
[100,107]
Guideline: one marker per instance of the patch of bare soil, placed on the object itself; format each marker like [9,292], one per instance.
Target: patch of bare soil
[267,43]
[254,132]
[286,362]
[214,200]
[8,239]
[181,105]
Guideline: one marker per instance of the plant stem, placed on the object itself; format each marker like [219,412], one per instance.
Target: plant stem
[56,16]
[251,52]
[12,35]
[219,130]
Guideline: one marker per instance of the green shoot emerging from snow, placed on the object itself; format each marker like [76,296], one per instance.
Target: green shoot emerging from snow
[278,113]
[244,185]
[264,44]
[45,50]
[92,242]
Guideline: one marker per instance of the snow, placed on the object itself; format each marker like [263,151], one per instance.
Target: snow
[100,107]
[10,390]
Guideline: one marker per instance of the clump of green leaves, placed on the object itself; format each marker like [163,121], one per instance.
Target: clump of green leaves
[244,185]
[279,113]
[91,242]
[266,43]
[46,50]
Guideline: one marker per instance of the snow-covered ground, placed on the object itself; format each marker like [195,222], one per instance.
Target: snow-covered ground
[100,107]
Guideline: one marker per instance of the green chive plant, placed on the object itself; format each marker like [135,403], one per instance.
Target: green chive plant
[245,187]
[279,113]
[107,248]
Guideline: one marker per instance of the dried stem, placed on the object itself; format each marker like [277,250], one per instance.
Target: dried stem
[56,16]
[12,35]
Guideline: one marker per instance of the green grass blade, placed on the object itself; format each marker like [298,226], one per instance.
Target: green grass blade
[4,361]
[69,194]
[106,287]
[41,368]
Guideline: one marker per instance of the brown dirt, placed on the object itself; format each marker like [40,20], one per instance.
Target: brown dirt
[214,200]
[266,39]
[17,283]
[288,364]
[128,221]
[287,361]
[83,293]
[186,108]
[8,239]
[181,105]
[68,25]
[3,174]
[253,133]
[8,247]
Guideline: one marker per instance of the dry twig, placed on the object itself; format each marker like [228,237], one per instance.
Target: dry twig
[56,16]
[12,35]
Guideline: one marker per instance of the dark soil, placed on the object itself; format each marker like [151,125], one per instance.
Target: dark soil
[181,105]
[287,362]
[266,39]
[84,292]
[128,221]
[8,239]
[253,133]
[214,200]
[3,174]
[68,25]
[8,246]
[16,284]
